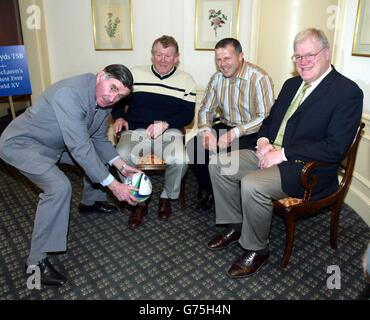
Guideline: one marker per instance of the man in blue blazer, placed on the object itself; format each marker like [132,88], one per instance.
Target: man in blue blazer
[67,124]
[315,117]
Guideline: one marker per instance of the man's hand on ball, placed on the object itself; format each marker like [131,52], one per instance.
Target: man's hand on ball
[122,192]
[133,200]
[129,171]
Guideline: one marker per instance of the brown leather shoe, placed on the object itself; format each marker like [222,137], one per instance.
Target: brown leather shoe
[164,209]
[136,218]
[247,265]
[225,240]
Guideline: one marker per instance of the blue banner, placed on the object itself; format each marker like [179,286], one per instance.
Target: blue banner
[14,76]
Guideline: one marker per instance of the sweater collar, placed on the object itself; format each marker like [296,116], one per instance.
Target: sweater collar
[164,76]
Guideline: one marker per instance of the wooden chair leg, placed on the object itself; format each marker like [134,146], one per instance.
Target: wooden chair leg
[335,210]
[289,239]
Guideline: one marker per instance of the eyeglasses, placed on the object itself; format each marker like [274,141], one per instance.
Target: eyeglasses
[309,57]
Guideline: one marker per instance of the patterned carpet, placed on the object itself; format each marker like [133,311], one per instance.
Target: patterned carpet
[170,260]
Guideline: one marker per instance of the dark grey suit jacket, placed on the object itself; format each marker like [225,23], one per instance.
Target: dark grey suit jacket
[64,118]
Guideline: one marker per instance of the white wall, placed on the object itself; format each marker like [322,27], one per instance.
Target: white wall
[357,69]
[276,23]
[69,32]
[35,42]
[71,47]
[354,67]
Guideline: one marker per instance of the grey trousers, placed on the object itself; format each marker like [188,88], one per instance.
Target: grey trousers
[243,194]
[52,214]
[169,146]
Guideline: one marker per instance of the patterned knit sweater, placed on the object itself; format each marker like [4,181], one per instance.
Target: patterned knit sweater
[169,98]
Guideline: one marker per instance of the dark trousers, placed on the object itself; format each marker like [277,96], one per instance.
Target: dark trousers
[199,164]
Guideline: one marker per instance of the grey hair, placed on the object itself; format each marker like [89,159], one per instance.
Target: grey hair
[312,32]
[120,73]
[166,41]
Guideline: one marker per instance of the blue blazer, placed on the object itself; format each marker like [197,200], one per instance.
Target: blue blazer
[321,129]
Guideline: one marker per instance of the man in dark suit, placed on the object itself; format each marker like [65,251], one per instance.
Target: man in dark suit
[67,124]
[315,117]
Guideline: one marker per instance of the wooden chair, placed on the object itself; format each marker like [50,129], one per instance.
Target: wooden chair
[152,163]
[291,208]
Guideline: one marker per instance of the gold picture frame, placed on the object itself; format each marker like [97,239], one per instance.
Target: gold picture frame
[112,21]
[215,20]
[361,38]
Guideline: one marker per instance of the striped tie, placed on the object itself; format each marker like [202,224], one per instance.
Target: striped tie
[292,108]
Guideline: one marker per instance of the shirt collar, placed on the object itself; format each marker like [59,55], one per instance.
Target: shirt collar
[315,83]
[242,70]
[156,73]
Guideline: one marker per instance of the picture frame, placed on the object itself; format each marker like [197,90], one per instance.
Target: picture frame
[361,38]
[215,20]
[112,22]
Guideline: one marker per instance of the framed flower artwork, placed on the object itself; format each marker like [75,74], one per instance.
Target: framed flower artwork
[361,38]
[215,20]
[112,21]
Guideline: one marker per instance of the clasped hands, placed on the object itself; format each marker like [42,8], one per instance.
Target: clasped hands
[268,156]
[210,142]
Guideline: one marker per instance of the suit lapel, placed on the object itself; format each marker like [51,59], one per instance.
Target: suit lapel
[317,94]
[287,99]
[95,113]
[98,118]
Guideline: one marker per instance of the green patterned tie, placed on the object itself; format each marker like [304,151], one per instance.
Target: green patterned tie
[292,108]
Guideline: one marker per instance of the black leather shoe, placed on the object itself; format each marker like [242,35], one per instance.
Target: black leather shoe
[97,207]
[206,203]
[49,276]
[248,264]
[225,240]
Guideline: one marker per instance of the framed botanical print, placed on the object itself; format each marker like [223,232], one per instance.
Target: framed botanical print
[112,20]
[215,20]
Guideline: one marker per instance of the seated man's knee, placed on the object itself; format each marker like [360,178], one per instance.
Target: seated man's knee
[250,183]
[130,155]
[253,184]
[178,158]
[213,169]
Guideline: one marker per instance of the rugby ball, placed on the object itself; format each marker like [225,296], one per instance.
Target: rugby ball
[142,182]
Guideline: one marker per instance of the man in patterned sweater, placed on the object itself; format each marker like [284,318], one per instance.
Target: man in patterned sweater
[162,103]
